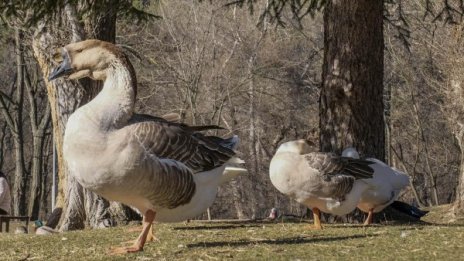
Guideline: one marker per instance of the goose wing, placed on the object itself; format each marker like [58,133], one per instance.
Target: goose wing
[183,143]
[337,174]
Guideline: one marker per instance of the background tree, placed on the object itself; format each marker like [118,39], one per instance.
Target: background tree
[351,103]
[12,110]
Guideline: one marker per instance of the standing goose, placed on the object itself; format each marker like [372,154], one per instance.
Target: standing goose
[321,181]
[167,170]
[388,183]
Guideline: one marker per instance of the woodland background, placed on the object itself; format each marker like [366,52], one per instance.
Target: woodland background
[258,78]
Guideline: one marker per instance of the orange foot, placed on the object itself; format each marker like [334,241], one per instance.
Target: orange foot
[149,239]
[314,227]
[124,250]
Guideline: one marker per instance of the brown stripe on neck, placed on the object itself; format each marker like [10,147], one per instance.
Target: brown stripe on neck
[121,56]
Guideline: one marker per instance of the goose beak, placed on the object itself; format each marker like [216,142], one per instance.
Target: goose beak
[63,69]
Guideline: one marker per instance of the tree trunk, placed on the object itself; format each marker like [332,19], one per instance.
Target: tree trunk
[253,161]
[459,202]
[351,101]
[79,205]
[39,126]
[64,97]
[19,188]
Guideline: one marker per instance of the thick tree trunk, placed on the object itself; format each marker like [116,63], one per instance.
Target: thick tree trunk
[64,97]
[79,205]
[351,102]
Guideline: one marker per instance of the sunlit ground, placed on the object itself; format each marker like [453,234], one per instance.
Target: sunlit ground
[250,241]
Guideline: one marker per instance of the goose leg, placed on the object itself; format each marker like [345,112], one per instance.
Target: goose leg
[140,242]
[317,219]
[370,215]
[150,237]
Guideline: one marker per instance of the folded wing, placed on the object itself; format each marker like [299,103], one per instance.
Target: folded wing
[337,173]
[180,142]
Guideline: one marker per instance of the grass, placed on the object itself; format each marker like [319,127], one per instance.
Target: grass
[250,241]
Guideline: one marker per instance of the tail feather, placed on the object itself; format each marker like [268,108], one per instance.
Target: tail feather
[358,168]
[231,142]
[172,117]
[231,173]
[204,128]
[408,209]
[235,161]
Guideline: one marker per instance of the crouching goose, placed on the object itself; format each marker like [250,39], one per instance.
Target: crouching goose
[167,170]
[388,183]
[321,181]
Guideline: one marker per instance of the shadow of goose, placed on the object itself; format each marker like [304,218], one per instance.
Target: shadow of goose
[216,227]
[280,241]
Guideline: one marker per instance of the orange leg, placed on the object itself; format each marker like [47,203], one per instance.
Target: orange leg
[150,237]
[370,215]
[317,219]
[140,242]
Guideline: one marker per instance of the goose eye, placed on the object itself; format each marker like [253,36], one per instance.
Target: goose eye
[58,57]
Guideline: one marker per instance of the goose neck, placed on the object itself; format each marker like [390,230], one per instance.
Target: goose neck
[114,105]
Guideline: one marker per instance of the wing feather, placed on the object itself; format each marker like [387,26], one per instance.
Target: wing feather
[329,164]
[170,183]
[180,142]
[338,173]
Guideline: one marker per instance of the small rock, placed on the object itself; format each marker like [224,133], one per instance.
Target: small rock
[21,230]
[404,234]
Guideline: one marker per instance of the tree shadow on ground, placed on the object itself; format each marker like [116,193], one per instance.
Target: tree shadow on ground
[442,225]
[280,241]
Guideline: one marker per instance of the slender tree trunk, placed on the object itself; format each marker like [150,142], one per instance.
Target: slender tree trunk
[252,136]
[3,126]
[237,184]
[46,171]
[459,202]
[351,102]
[39,126]
[19,188]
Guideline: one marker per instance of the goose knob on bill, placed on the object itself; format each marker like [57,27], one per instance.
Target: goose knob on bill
[168,171]
[321,181]
[388,183]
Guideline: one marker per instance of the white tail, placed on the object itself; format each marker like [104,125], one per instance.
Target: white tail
[235,160]
[231,173]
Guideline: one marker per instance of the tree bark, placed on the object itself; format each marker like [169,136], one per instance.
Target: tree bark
[351,101]
[79,205]
[64,97]
[39,126]
[19,188]
[459,202]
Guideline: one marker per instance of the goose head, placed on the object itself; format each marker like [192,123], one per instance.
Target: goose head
[89,58]
[300,146]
